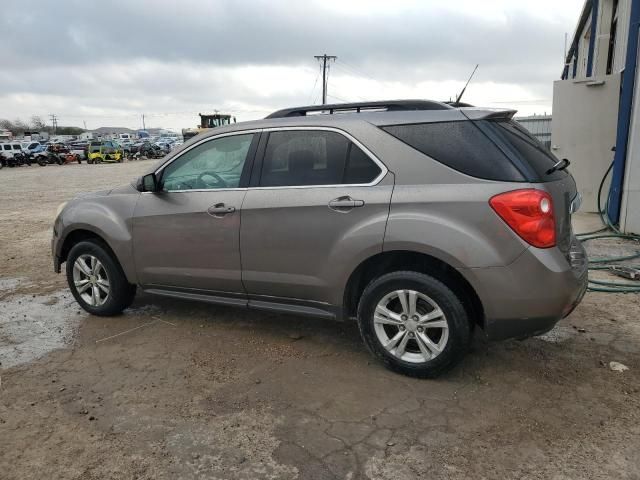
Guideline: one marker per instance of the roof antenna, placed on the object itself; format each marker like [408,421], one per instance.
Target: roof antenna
[466,85]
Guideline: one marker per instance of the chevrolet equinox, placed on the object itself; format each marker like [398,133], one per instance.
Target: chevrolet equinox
[419,219]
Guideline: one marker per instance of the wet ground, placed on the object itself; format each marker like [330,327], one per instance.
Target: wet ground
[172,389]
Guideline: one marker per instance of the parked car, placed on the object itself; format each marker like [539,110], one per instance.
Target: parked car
[13,155]
[419,220]
[54,153]
[147,149]
[104,151]
[80,149]
[31,147]
[164,145]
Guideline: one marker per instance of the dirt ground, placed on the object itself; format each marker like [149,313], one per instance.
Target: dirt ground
[173,390]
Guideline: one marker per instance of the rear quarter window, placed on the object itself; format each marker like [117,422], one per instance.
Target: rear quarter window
[529,149]
[460,145]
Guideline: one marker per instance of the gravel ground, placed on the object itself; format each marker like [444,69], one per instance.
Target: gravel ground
[172,389]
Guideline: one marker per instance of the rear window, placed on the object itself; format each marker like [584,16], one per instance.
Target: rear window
[459,145]
[529,148]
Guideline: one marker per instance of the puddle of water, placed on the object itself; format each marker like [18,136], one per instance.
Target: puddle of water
[32,326]
[143,310]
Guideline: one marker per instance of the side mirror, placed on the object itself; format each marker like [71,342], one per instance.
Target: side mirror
[148,183]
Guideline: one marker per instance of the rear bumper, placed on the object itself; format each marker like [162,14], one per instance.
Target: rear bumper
[529,296]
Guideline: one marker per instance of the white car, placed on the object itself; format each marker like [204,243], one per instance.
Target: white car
[9,149]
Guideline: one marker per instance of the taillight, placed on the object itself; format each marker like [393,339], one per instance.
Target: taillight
[529,212]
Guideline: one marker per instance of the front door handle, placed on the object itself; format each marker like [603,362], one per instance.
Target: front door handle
[220,209]
[345,204]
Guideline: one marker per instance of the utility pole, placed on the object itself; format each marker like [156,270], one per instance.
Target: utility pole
[143,127]
[54,123]
[325,73]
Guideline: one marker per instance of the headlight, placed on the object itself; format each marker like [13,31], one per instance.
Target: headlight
[60,208]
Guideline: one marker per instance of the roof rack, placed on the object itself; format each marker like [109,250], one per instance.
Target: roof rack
[389,106]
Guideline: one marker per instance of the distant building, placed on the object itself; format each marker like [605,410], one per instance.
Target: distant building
[89,135]
[596,112]
[5,135]
[539,126]
[109,133]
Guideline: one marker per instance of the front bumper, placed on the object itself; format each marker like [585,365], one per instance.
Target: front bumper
[529,296]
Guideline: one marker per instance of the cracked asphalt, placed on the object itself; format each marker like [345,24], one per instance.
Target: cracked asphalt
[179,390]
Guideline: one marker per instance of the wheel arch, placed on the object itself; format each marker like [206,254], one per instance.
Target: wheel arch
[83,234]
[407,260]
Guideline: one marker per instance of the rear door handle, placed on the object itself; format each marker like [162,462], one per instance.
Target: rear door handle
[220,209]
[344,204]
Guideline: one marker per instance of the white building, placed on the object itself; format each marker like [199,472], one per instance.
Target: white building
[5,135]
[596,112]
[88,135]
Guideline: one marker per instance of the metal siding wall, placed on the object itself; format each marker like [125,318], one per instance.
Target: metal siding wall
[584,130]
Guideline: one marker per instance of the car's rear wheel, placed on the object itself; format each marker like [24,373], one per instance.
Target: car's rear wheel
[414,324]
[97,281]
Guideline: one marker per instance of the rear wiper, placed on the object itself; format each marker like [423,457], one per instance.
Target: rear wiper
[561,165]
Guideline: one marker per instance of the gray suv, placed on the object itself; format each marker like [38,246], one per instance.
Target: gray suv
[419,219]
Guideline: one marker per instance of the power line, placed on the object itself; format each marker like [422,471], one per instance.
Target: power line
[314,85]
[54,122]
[324,58]
[356,70]
[339,98]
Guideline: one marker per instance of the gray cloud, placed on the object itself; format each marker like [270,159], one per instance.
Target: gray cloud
[94,51]
[267,32]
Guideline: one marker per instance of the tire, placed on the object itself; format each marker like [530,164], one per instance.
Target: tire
[120,292]
[448,335]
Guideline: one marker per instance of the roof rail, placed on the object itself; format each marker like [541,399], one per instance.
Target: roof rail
[459,104]
[388,105]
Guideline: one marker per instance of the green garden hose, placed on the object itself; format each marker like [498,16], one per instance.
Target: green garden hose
[604,263]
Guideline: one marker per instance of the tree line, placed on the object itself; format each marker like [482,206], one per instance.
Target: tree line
[18,127]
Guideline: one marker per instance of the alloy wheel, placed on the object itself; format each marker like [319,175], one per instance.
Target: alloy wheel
[91,280]
[411,326]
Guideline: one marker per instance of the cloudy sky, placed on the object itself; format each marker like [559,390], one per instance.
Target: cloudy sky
[107,63]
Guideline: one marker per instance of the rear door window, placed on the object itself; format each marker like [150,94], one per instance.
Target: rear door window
[314,157]
[460,145]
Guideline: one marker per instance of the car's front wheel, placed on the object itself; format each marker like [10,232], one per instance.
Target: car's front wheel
[97,281]
[414,323]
